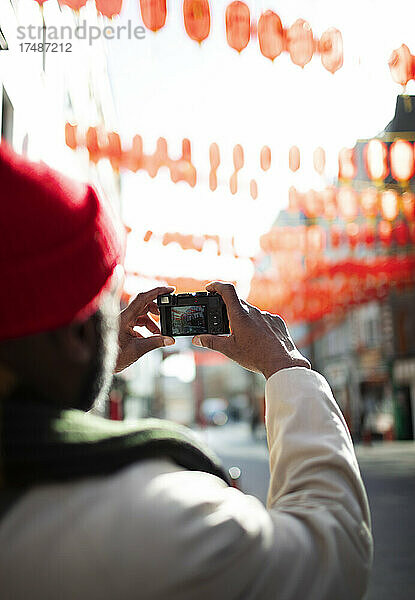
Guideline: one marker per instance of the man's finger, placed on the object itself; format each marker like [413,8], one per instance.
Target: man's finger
[153,308]
[152,294]
[229,295]
[146,321]
[220,343]
[147,344]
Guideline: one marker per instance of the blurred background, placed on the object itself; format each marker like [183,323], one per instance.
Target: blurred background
[266,143]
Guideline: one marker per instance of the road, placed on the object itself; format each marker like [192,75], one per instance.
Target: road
[388,470]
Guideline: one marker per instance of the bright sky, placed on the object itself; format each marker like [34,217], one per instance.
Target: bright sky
[168,86]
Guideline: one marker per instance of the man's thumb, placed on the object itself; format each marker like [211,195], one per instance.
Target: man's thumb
[152,342]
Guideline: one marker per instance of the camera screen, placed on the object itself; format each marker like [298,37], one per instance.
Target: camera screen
[188,320]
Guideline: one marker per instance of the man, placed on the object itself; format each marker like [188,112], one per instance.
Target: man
[100,510]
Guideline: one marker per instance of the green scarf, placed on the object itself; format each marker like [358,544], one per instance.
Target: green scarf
[40,444]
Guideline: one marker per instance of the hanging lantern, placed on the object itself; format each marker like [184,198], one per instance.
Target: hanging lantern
[148,235]
[253,188]
[368,234]
[238,157]
[214,157]
[238,25]
[300,43]
[402,160]
[153,13]
[313,204]
[270,34]
[331,50]
[336,234]
[385,232]
[400,65]
[41,2]
[73,4]
[70,135]
[401,232]
[114,151]
[109,8]
[376,155]
[408,206]
[265,158]
[196,15]
[369,202]
[329,198]
[352,232]
[389,205]
[347,201]
[347,164]
[319,160]
[93,145]
[294,158]
[293,200]
[316,238]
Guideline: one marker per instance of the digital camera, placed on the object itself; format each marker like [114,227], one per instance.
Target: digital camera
[192,314]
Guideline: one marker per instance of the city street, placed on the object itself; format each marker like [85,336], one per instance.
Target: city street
[389,473]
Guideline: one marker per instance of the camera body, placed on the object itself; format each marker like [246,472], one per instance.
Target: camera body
[192,314]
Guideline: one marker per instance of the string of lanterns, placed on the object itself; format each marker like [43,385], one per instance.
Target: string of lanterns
[297,40]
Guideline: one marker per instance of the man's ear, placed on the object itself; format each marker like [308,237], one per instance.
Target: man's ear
[78,341]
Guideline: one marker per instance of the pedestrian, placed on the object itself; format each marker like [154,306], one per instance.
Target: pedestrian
[95,509]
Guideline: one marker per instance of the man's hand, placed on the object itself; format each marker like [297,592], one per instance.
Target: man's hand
[259,341]
[133,345]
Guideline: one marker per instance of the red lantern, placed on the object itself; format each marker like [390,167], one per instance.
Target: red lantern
[347,164]
[253,188]
[41,2]
[368,234]
[369,202]
[402,160]
[270,35]
[109,8]
[347,202]
[265,158]
[70,135]
[73,4]
[196,15]
[331,50]
[352,232]
[293,200]
[114,151]
[238,25]
[402,234]
[319,160]
[93,145]
[408,205]
[153,13]
[389,205]
[214,157]
[313,204]
[300,43]
[329,198]
[336,235]
[316,238]
[294,158]
[385,232]
[401,65]
[376,154]
[238,157]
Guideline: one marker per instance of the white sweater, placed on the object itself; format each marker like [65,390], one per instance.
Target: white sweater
[156,531]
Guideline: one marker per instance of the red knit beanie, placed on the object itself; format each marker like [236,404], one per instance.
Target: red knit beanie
[58,247]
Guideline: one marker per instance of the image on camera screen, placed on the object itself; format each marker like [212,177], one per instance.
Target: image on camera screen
[188,320]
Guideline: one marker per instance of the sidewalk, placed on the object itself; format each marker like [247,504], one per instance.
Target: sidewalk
[387,458]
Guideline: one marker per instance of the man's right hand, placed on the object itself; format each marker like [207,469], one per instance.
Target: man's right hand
[259,341]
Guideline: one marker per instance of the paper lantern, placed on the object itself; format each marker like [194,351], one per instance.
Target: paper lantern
[369,202]
[238,157]
[331,50]
[316,238]
[153,13]
[114,150]
[389,205]
[238,25]
[319,160]
[408,205]
[352,232]
[376,155]
[265,158]
[385,232]
[347,201]
[253,188]
[91,141]
[368,234]
[270,34]
[293,200]
[402,160]
[336,234]
[294,158]
[109,8]
[300,43]
[401,65]
[70,135]
[148,235]
[196,16]
[73,4]
[313,204]
[214,157]
[329,199]
[401,233]
[347,164]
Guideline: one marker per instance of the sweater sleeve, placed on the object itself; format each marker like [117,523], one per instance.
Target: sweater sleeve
[185,535]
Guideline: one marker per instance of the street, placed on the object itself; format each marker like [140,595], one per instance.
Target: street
[388,470]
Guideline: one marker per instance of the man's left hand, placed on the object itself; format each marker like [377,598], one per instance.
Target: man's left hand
[132,345]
